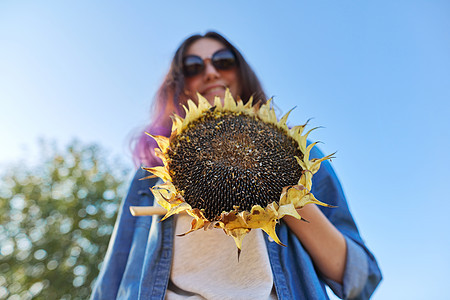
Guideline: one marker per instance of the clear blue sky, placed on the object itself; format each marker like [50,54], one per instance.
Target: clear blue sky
[375,74]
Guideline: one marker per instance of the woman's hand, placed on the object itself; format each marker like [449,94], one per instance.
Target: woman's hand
[324,243]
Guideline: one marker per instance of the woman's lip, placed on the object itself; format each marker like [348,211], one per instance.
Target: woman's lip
[213,89]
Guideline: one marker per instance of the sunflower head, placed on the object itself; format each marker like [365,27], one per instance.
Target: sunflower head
[235,167]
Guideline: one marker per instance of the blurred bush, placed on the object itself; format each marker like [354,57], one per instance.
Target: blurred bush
[56,219]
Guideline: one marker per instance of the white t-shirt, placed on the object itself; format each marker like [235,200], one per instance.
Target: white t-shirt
[205,265]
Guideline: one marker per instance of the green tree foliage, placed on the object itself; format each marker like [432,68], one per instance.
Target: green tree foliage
[55,223]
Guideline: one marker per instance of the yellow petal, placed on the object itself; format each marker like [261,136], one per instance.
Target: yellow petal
[311,199]
[315,162]
[230,104]
[231,220]
[258,216]
[309,131]
[249,104]
[308,150]
[169,187]
[306,179]
[177,123]
[238,235]
[283,120]
[159,171]
[288,210]
[301,163]
[203,104]
[193,112]
[218,103]
[148,177]
[263,111]
[292,194]
[177,209]
[196,224]
[160,154]
[297,131]
[268,113]
[269,228]
[162,141]
[198,221]
[161,199]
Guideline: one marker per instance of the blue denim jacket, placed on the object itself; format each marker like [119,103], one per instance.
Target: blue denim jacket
[138,261]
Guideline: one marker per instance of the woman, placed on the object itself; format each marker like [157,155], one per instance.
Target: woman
[146,260]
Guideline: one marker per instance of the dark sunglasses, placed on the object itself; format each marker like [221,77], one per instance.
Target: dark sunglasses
[222,60]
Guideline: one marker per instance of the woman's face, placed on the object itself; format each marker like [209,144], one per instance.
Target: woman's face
[211,82]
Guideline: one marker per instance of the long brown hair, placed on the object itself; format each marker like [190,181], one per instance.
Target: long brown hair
[170,97]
